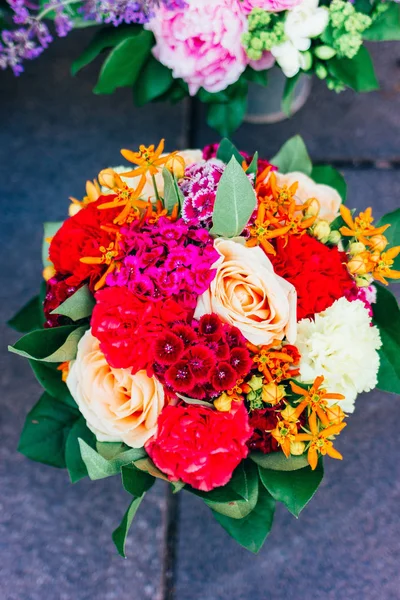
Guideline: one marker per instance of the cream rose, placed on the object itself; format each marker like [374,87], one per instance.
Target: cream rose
[117,405]
[247,293]
[328,198]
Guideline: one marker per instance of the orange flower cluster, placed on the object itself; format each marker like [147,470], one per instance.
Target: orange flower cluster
[278,214]
[369,259]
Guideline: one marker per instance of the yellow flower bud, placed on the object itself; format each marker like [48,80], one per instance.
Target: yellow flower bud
[288,413]
[357,265]
[297,448]
[176,165]
[364,280]
[255,383]
[356,248]
[334,237]
[48,272]
[321,231]
[377,243]
[313,207]
[110,179]
[223,403]
[272,393]
[335,414]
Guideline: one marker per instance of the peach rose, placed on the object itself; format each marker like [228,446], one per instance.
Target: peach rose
[328,198]
[247,293]
[117,405]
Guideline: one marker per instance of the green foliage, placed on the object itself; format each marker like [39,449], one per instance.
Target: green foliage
[225,117]
[78,306]
[386,26]
[277,461]
[226,150]
[259,77]
[146,465]
[154,81]
[252,530]
[172,192]
[234,203]
[293,488]
[288,93]
[330,176]
[120,534]
[245,484]
[293,156]
[45,432]
[99,467]
[29,317]
[357,73]
[124,63]
[393,232]
[253,166]
[387,318]
[135,481]
[57,344]
[73,459]
[105,38]
[50,378]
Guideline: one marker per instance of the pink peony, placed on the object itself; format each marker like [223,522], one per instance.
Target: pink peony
[269,5]
[199,445]
[201,43]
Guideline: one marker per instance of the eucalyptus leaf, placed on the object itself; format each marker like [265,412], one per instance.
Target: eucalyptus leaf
[120,534]
[195,401]
[293,156]
[78,306]
[147,465]
[57,344]
[46,430]
[172,193]
[234,203]
[99,467]
[277,461]
[293,488]
[75,465]
[252,530]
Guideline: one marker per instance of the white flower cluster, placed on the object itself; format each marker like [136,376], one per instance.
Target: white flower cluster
[340,344]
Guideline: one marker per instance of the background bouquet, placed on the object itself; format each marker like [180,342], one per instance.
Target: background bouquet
[168,49]
[209,318]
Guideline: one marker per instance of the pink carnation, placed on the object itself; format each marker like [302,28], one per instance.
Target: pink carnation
[269,5]
[199,445]
[201,43]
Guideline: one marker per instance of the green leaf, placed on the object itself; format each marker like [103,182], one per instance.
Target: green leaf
[288,93]
[293,488]
[78,306]
[105,38]
[387,318]
[330,176]
[57,344]
[357,73]
[147,465]
[99,467]
[392,233]
[226,150]
[120,534]
[251,531]
[277,461]
[259,77]
[234,203]
[75,465]
[124,62]
[245,484]
[172,193]
[227,116]
[293,156]
[50,229]
[110,450]
[50,378]
[29,317]
[154,81]
[386,27]
[253,166]
[135,481]
[45,431]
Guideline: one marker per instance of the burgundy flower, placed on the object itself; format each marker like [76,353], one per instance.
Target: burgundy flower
[168,348]
[223,377]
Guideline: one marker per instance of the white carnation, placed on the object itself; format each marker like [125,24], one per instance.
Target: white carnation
[341,345]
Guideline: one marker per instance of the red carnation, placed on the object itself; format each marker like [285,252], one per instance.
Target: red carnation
[223,377]
[318,272]
[168,348]
[128,326]
[199,445]
[200,360]
[81,236]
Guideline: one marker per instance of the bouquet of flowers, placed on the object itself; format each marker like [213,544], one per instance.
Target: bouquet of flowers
[168,49]
[209,318]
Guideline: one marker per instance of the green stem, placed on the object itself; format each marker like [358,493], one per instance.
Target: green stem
[50,9]
[156,189]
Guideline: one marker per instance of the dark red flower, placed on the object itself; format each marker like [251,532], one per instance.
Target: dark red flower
[81,236]
[241,361]
[179,377]
[199,445]
[57,291]
[185,333]
[168,348]
[263,421]
[223,377]
[210,327]
[317,271]
[200,360]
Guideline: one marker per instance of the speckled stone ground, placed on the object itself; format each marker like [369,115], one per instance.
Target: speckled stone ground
[54,537]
